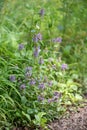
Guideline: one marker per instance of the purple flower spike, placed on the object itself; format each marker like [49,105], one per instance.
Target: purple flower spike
[55,99]
[57,95]
[37,37]
[32,82]
[58,39]
[29,68]
[22,86]
[42,12]
[50,100]
[40,98]
[28,74]
[21,46]
[12,78]
[36,51]
[64,66]
[41,86]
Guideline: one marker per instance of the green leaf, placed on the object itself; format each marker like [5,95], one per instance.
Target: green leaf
[78,97]
[26,115]
[39,120]
[40,115]
[73,87]
[23,100]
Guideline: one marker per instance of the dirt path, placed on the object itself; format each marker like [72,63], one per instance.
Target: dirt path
[76,121]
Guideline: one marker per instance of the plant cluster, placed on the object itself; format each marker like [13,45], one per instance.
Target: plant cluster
[38,82]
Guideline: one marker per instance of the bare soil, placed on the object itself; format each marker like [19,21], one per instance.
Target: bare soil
[75,120]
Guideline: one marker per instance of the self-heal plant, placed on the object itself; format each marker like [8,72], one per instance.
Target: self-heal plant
[32,82]
[58,39]
[56,93]
[42,12]
[64,66]
[37,37]
[41,86]
[50,100]
[28,74]
[56,96]
[36,51]
[21,47]
[12,78]
[40,98]
[22,86]
[28,69]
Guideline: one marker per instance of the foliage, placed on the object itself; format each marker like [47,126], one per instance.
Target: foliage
[40,62]
[75,37]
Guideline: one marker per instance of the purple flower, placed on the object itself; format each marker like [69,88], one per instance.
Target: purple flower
[64,66]
[32,82]
[42,12]
[12,78]
[36,51]
[22,86]
[28,74]
[41,61]
[41,86]
[58,39]
[57,95]
[55,99]
[40,98]
[50,83]
[37,37]
[50,100]
[29,68]
[21,46]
